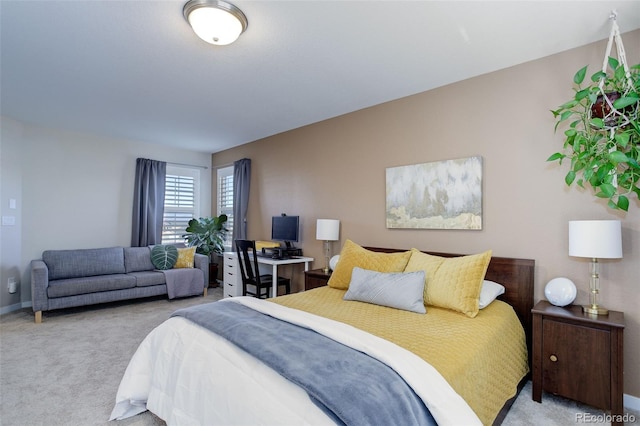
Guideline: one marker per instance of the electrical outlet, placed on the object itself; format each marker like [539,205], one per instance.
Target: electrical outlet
[12,285]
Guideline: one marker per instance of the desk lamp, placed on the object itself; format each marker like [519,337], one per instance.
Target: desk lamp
[327,230]
[595,239]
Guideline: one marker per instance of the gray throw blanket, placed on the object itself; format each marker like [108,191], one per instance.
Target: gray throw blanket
[184,282]
[349,386]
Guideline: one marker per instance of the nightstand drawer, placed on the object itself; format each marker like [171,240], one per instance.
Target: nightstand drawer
[580,370]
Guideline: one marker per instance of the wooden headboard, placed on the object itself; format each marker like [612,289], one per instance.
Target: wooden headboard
[516,275]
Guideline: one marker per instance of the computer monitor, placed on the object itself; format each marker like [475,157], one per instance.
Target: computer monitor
[285,228]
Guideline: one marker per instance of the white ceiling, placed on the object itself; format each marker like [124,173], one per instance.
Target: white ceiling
[135,69]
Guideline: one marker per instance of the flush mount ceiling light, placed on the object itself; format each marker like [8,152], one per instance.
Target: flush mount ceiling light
[216,22]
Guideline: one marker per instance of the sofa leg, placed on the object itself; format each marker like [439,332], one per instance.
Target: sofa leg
[204,294]
[38,317]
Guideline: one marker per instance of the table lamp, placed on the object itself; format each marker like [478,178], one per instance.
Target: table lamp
[595,239]
[327,230]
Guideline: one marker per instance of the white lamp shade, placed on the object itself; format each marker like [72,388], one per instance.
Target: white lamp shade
[215,22]
[328,229]
[599,239]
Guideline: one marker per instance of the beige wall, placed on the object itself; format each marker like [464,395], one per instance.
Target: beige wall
[336,169]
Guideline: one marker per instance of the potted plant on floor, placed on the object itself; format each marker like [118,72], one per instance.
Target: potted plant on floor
[602,140]
[207,234]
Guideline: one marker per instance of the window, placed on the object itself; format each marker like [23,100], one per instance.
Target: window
[225,200]
[181,202]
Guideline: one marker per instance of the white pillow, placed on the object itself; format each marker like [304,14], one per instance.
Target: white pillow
[489,292]
[400,290]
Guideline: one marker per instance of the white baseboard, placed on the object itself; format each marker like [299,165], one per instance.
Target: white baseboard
[631,402]
[10,308]
[15,307]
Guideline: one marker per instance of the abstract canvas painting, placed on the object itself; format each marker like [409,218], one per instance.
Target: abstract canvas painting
[438,195]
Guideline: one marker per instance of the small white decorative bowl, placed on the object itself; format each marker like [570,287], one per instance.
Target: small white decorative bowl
[560,291]
[334,261]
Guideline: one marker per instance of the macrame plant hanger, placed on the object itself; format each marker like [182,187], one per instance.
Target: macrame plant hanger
[614,118]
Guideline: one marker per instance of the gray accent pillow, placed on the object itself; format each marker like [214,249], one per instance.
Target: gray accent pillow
[400,290]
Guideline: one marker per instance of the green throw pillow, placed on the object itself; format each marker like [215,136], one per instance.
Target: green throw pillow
[164,257]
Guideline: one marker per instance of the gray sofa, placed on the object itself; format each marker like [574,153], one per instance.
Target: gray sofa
[69,278]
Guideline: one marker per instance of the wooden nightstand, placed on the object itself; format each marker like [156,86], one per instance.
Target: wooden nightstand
[315,278]
[578,356]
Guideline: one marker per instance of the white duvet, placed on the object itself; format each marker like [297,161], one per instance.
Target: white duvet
[187,375]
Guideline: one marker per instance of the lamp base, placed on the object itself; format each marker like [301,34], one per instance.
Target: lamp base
[594,310]
[325,269]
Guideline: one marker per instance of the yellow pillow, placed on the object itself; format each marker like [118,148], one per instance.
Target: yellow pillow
[452,283]
[185,257]
[420,261]
[353,255]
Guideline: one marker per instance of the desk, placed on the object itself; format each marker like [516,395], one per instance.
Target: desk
[233,282]
[277,262]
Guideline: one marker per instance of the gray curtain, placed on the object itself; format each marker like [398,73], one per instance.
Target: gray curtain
[148,202]
[241,181]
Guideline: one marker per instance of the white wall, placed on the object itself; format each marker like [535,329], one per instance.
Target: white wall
[10,189]
[73,191]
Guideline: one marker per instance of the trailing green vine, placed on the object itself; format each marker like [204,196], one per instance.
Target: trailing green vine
[602,140]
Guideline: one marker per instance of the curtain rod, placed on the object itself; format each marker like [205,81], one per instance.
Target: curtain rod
[188,165]
[219,166]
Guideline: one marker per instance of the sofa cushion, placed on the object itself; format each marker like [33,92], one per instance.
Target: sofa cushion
[147,278]
[64,264]
[137,259]
[85,285]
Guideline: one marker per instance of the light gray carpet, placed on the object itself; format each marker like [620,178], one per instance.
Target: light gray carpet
[66,371]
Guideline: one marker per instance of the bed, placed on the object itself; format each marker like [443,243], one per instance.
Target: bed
[188,371]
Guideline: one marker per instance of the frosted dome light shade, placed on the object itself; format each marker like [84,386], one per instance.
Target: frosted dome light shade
[598,239]
[215,22]
[560,291]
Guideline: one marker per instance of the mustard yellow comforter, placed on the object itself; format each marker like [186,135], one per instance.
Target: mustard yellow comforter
[482,358]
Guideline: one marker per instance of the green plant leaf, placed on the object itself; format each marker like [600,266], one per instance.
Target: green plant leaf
[556,156]
[623,203]
[598,76]
[580,95]
[624,102]
[613,63]
[618,157]
[578,78]
[570,177]
[598,123]
[619,73]
[622,139]
[608,189]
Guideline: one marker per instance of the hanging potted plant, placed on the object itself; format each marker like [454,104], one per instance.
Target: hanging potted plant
[207,234]
[602,141]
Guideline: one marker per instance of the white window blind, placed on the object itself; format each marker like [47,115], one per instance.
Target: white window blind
[181,202]
[225,200]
